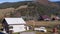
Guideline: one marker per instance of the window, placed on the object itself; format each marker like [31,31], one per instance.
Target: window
[10,27]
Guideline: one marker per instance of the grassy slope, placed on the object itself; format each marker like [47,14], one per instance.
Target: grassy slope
[47,23]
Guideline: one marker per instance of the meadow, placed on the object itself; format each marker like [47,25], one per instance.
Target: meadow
[49,26]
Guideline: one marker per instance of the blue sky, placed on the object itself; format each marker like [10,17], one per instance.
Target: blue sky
[54,0]
[1,1]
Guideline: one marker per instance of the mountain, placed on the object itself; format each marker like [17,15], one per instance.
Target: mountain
[29,8]
[17,7]
[45,2]
[48,3]
[57,2]
[17,4]
[13,4]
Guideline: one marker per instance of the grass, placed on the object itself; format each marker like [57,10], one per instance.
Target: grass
[43,23]
[49,31]
[15,33]
[50,24]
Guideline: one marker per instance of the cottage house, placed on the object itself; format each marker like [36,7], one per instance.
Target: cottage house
[44,17]
[14,25]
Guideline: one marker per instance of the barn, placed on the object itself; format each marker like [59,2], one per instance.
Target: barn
[14,25]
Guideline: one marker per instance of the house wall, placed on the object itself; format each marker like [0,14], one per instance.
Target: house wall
[18,28]
[5,26]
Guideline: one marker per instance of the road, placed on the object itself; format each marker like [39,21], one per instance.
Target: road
[27,33]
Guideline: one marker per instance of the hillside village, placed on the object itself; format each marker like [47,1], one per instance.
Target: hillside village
[30,17]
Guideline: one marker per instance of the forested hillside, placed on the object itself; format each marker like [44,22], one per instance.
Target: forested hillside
[32,9]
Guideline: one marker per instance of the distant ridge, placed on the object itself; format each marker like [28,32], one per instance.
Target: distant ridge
[48,3]
[13,4]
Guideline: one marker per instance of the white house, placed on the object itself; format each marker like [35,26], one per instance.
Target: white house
[14,24]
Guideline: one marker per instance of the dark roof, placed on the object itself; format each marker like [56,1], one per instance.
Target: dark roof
[45,16]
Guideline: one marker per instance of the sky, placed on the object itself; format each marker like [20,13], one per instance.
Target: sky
[54,0]
[1,1]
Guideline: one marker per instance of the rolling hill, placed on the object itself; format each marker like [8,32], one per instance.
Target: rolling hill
[29,8]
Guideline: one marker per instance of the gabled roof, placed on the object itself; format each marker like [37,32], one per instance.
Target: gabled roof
[15,21]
